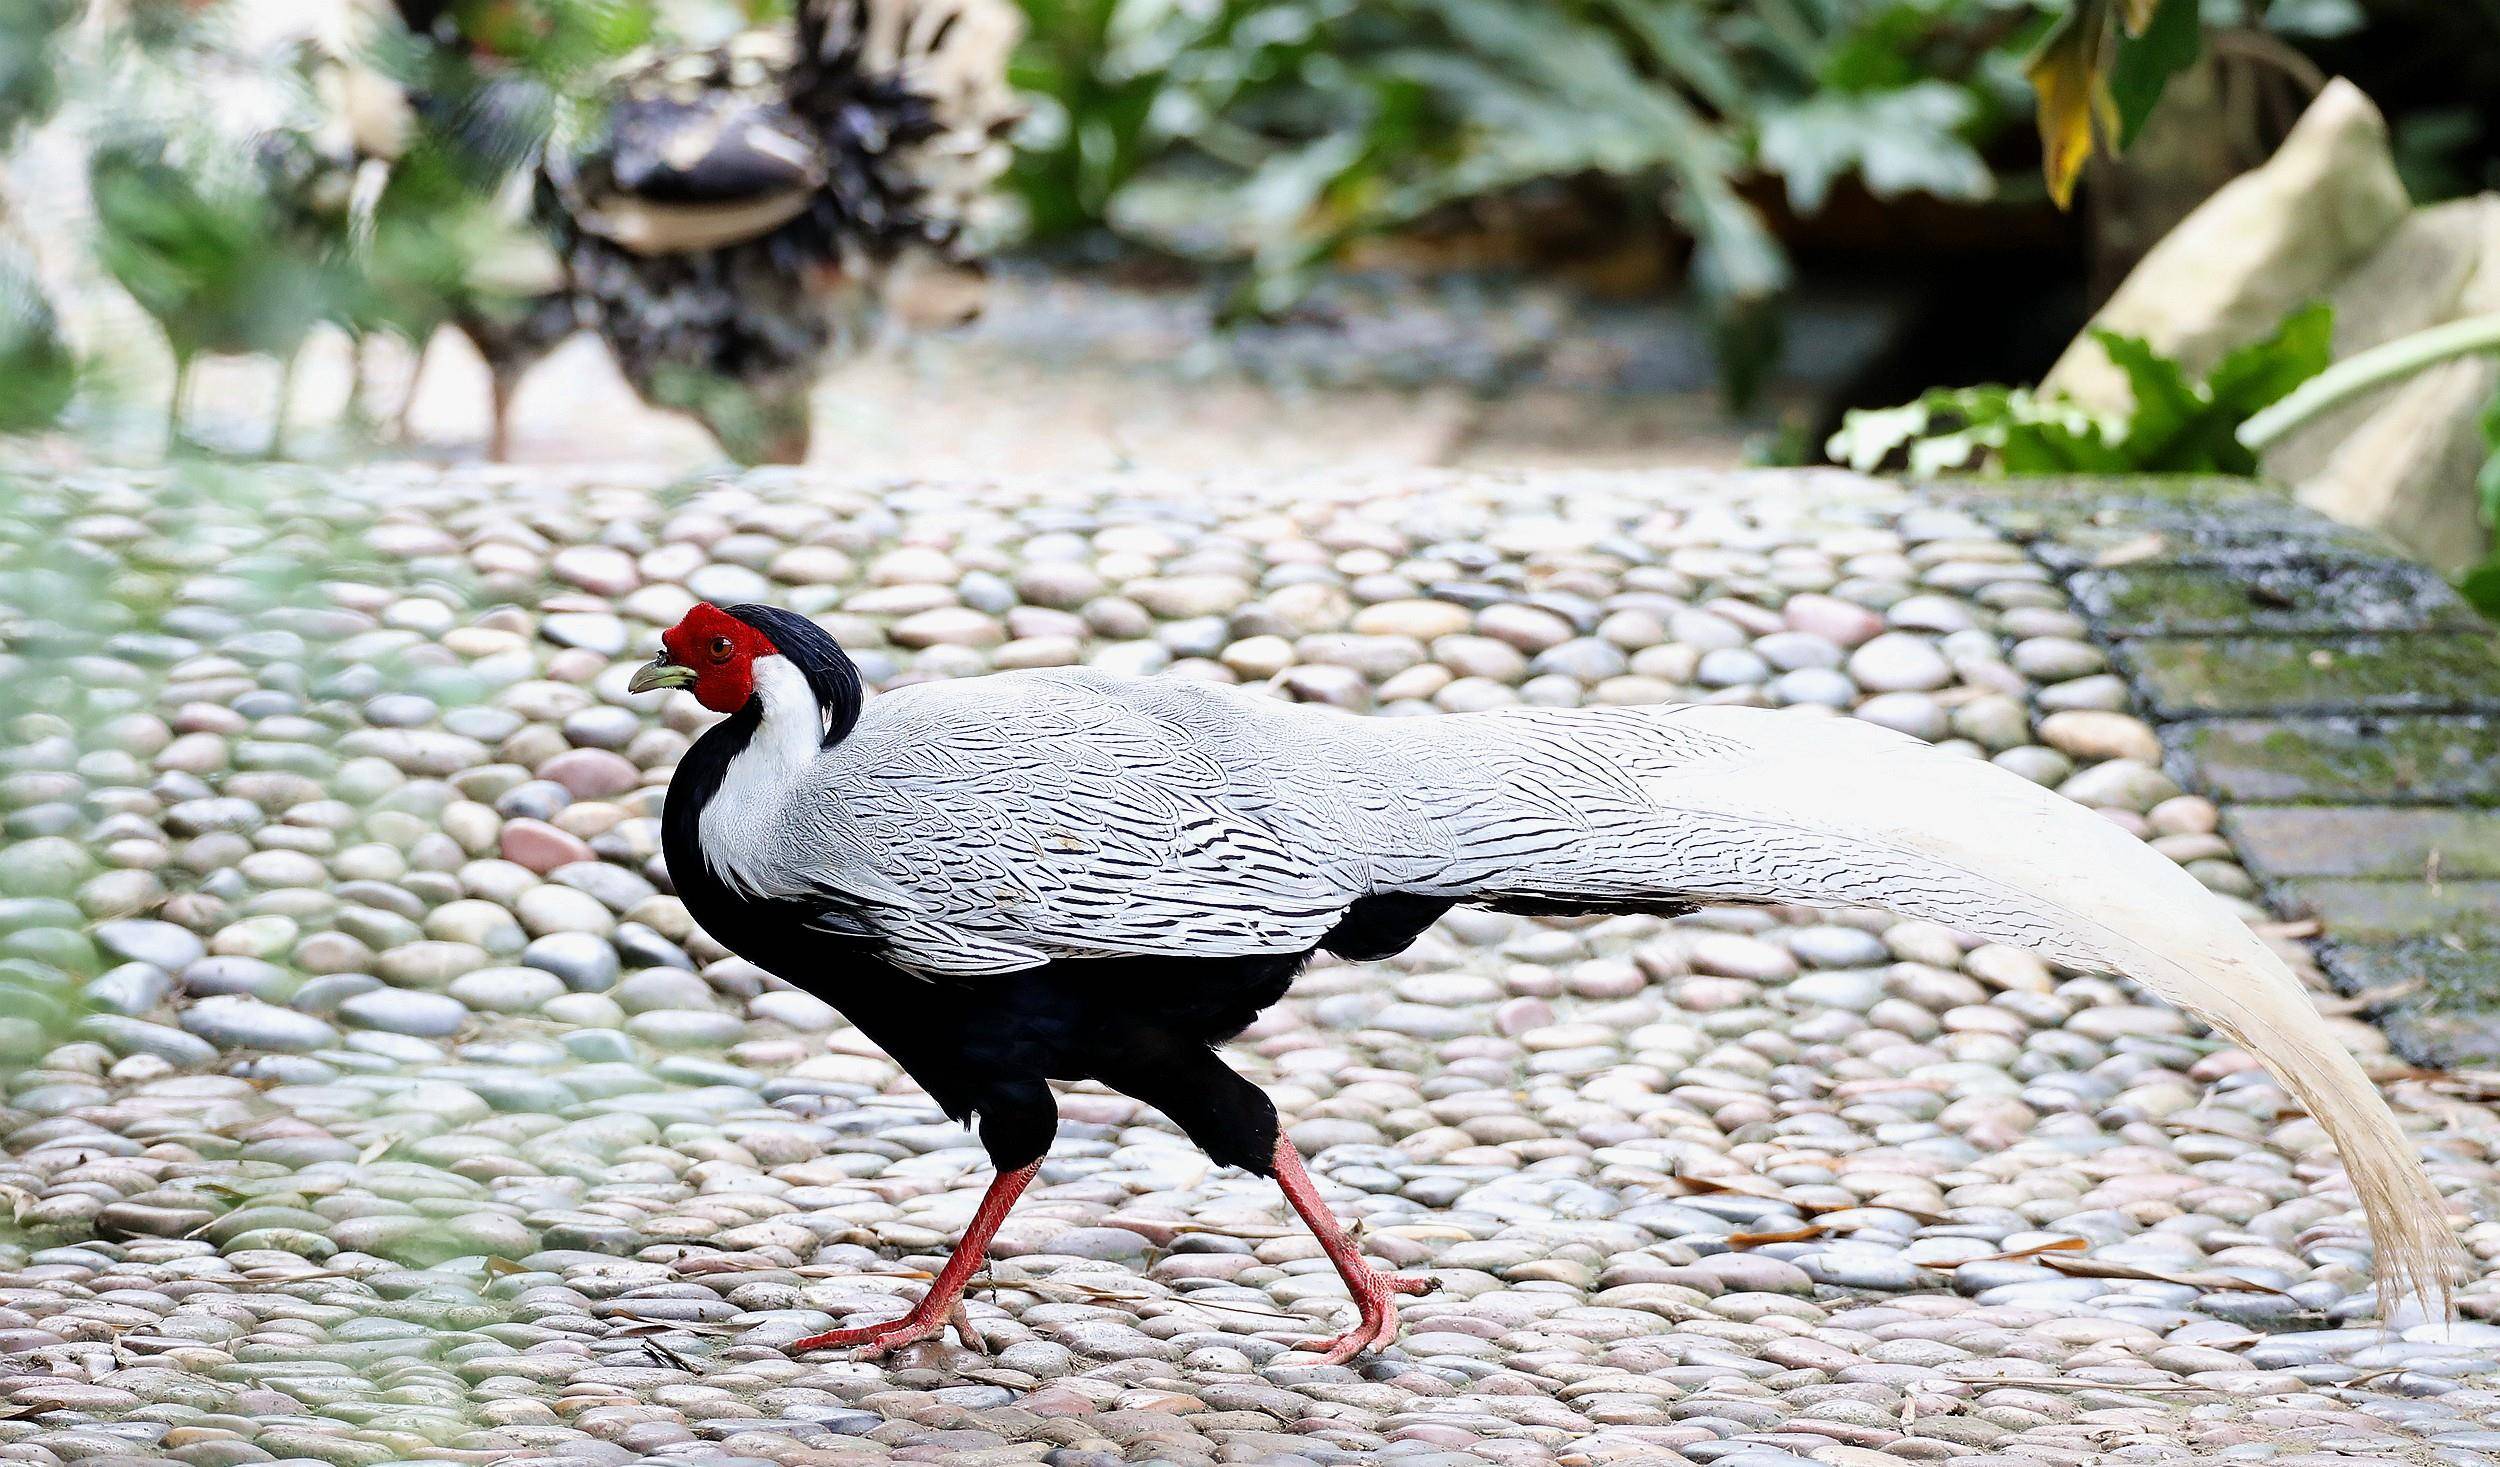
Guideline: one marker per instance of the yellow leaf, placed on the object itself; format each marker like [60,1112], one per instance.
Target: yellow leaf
[2136,14]
[2065,72]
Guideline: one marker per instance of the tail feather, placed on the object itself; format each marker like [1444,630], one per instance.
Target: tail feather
[1785,806]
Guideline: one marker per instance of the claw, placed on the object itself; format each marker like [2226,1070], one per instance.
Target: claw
[961,1319]
[1366,1336]
[1376,1328]
[881,1338]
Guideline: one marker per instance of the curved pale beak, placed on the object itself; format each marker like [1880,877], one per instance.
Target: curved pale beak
[659,673]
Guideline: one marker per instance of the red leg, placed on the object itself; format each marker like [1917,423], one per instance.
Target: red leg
[1374,1292]
[943,1304]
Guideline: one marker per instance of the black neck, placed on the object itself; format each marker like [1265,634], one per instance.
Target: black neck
[832,678]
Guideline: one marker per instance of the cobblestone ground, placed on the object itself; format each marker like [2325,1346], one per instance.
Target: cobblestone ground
[370,1100]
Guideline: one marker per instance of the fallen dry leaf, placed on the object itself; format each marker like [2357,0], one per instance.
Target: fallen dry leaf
[2095,1268]
[2054,1245]
[1792,1235]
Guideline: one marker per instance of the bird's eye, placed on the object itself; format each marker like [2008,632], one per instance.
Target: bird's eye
[721,648]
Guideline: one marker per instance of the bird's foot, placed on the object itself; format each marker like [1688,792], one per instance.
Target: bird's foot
[926,1319]
[1377,1326]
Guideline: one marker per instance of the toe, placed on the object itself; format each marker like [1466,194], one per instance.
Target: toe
[961,1319]
[1337,1349]
[1368,1334]
[883,1335]
[832,1339]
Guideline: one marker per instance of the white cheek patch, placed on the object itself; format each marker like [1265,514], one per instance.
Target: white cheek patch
[743,817]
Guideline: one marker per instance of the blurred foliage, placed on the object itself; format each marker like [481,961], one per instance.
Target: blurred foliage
[215,242]
[2481,585]
[38,373]
[1441,99]
[504,75]
[1282,131]
[2175,423]
[30,80]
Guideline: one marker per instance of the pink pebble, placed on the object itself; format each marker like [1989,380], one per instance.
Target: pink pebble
[541,847]
[591,774]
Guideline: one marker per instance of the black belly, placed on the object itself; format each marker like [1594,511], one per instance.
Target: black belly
[959,1037]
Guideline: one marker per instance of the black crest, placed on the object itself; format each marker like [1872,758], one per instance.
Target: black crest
[830,673]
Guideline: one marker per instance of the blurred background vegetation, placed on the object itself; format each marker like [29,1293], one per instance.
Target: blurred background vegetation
[1716,148]
[1727,154]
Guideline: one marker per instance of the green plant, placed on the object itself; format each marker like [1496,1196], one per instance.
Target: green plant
[2175,424]
[1281,131]
[2481,584]
[1118,86]
[38,372]
[2098,73]
[30,78]
[1488,96]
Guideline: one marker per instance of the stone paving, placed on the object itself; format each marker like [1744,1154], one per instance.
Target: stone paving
[2341,701]
[369,1099]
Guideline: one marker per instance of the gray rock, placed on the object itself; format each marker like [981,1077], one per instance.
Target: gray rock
[159,944]
[236,1021]
[405,1011]
[505,990]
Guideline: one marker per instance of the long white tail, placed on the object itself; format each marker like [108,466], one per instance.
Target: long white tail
[1787,806]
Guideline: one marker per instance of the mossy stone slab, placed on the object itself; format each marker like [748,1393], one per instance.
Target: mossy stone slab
[2411,843]
[2277,593]
[2156,538]
[2452,1018]
[2207,677]
[2078,523]
[2341,761]
[2374,911]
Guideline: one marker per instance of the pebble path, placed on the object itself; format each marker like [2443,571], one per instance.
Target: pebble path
[368,1098]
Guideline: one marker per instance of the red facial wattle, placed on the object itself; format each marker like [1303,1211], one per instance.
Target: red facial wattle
[720,650]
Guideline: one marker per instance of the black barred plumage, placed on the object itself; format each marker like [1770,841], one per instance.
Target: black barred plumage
[742,213]
[1066,875]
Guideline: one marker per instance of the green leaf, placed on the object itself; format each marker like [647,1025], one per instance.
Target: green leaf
[2487,482]
[1676,39]
[2166,405]
[2173,424]
[2481,586]
[1868,436]
[1903,141]
[2147,59]
[2260,374]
